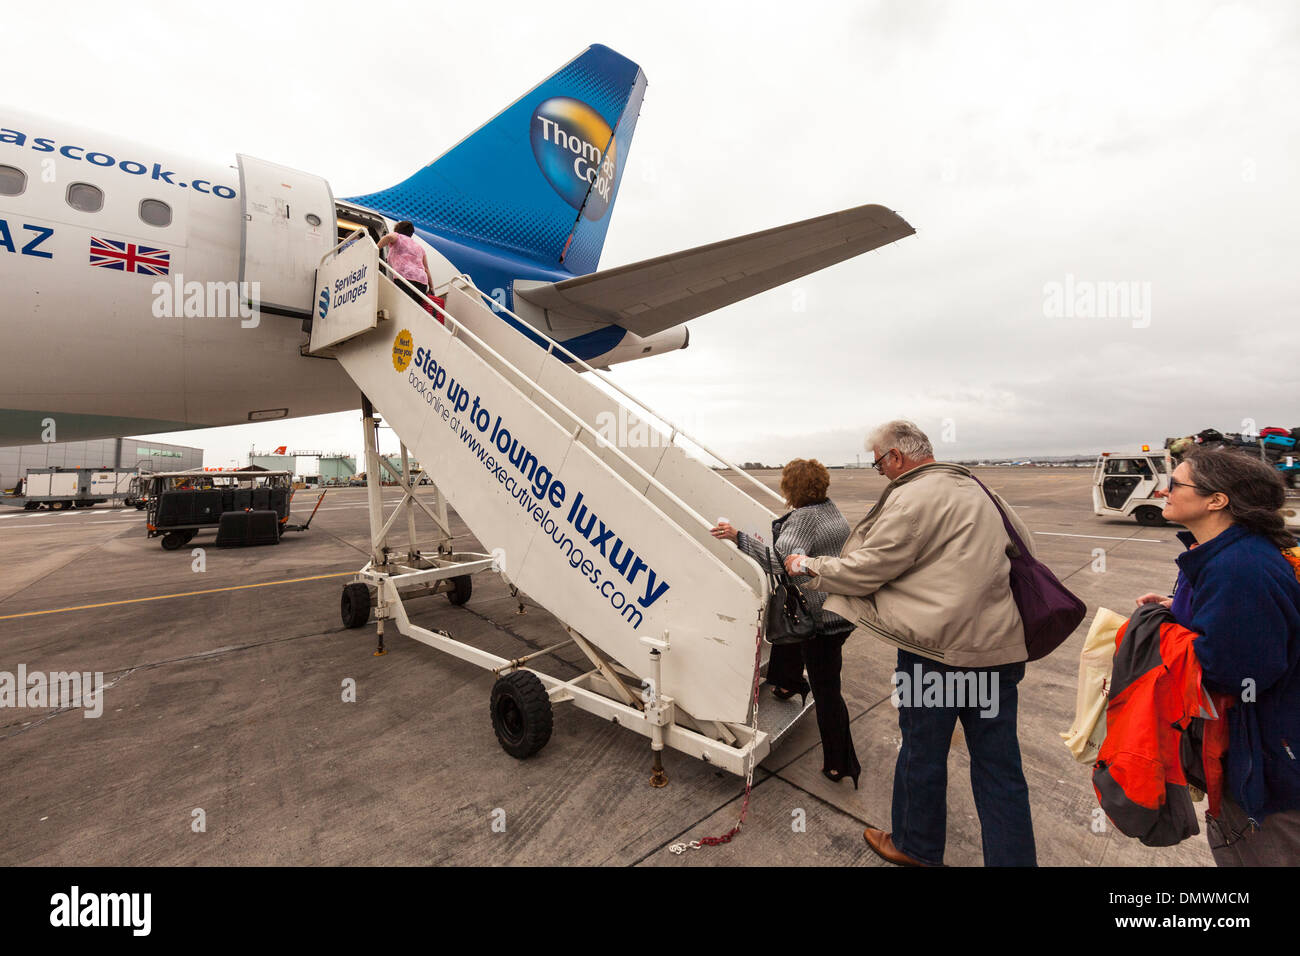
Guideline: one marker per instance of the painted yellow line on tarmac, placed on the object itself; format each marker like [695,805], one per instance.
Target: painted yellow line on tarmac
[164,597]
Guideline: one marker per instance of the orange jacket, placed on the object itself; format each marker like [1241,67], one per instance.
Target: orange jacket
[1159,719]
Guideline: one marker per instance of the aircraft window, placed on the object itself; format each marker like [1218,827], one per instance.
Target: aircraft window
[12,181]
[85,197]
[313,220]
[155,212]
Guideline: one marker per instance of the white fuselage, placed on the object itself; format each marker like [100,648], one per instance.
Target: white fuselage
[84,347]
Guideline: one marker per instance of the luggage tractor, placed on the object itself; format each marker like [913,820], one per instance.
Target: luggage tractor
[1126,484]
[243,507]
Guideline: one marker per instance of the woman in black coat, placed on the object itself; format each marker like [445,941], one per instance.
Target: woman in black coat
[814,527]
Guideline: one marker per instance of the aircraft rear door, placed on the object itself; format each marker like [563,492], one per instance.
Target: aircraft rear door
[288,225]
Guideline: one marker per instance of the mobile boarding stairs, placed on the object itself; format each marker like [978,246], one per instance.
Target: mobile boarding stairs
[613,541]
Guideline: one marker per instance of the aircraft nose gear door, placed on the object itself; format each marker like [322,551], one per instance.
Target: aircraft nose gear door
[288,225]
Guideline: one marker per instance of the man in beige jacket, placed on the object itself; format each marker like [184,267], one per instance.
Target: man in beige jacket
[927,571]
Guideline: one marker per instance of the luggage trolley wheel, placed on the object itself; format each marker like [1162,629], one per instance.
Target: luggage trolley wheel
[173,540]
[461,588]
[1149,515]
[521,713]
[354,605]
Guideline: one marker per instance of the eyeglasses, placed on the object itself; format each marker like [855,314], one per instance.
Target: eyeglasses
[876,464]
[1175,483]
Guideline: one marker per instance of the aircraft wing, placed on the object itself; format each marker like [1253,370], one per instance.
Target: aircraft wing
[656,294]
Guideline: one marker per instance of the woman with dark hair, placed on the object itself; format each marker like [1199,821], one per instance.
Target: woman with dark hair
[407,258]
[814,527]
[1238,590]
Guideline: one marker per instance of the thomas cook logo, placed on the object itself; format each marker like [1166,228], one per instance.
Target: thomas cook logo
[576,152]
[324,302]
[403,348]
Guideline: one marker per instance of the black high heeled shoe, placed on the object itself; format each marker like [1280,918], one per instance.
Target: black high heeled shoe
[835,776]
[780,693]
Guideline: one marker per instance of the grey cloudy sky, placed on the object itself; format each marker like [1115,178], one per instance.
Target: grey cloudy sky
[1026,142]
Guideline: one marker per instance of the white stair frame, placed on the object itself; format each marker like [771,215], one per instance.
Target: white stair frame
[602,691]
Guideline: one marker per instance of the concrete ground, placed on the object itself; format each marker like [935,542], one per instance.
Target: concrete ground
[225,706]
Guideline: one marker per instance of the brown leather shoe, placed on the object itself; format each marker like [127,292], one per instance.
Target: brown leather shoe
[882,844]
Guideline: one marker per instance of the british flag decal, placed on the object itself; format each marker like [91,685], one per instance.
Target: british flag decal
[129,257]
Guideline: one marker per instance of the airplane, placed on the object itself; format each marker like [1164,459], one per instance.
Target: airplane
[130,273]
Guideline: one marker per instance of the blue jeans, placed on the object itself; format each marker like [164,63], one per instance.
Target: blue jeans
[920,807]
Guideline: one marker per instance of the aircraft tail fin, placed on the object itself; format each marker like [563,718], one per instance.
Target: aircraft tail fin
[540,178]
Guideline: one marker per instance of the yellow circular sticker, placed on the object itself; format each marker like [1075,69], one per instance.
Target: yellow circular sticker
[403,349]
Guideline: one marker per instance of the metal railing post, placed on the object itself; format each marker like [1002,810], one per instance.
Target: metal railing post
[374,489]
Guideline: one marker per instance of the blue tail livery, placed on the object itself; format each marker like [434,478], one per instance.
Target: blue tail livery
[538,181]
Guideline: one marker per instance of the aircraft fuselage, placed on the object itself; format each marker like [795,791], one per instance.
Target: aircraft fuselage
[121,315]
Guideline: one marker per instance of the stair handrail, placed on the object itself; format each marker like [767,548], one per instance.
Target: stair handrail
[462,329]
[553,346]
[674,429]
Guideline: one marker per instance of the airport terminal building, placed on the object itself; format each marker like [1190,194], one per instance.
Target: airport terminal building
[331,466]
[111,454]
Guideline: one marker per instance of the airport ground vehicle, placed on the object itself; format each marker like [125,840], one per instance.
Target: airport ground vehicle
[183,503]
[59,488]
[137,492]
[1126,484]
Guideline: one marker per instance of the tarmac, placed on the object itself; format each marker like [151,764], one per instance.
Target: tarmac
[225,737]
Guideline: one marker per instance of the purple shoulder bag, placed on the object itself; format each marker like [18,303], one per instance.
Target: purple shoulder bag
[1049,610]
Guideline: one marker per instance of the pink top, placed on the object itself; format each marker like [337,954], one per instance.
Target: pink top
[407,257]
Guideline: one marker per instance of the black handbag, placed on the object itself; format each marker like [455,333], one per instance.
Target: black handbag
[788,619]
